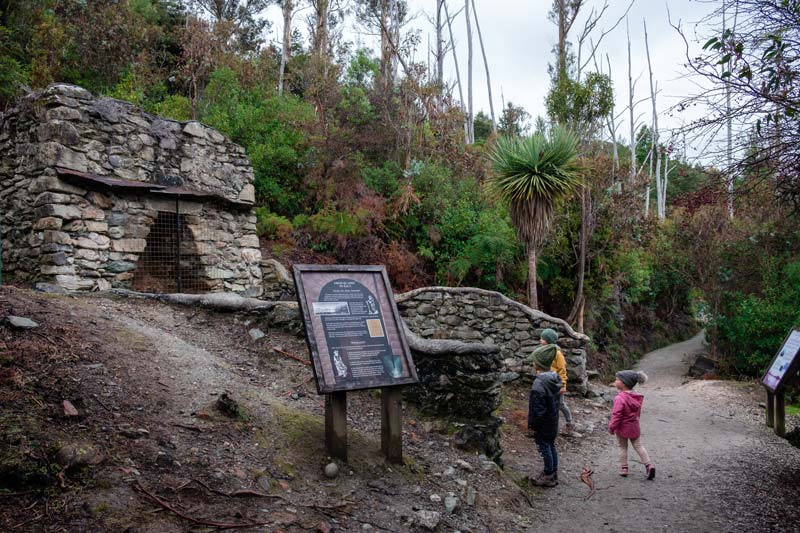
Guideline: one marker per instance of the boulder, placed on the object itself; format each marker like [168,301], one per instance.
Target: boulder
[74,456]
[703,367]
[21,322]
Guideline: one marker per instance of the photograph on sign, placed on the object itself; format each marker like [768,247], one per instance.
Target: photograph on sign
[353,329]
[783,361]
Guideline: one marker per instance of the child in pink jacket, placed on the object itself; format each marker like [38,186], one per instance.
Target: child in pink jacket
[625,420]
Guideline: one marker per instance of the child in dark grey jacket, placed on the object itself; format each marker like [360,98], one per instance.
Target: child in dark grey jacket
[543,414]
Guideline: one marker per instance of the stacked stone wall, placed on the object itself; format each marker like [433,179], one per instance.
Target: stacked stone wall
[86,237]
[476,315]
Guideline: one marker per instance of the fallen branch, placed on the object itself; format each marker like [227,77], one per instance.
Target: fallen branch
[219,525]
[290,356]
[9,494]
[190,428]
[586,477]
[234,494]
[26,522]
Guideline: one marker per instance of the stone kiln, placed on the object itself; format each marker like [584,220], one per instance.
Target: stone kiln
[95,193]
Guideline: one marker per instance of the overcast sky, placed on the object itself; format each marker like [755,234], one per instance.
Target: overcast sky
[519,41]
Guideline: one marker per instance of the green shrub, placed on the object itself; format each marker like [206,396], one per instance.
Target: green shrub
[329,223]
[173,106]
[752,327]
[383,180]
[272,226]
[273,131]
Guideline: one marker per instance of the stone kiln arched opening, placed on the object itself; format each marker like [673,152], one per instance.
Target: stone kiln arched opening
[170,261]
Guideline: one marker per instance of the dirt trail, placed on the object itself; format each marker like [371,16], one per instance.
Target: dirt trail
[718,467]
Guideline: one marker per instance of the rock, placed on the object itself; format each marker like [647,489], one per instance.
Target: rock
[126,430]
[228,406]
[195,129]
[21,322]
[69,409]
[117,267]
[367,527]
[50,288]
[592,374]
[464,465]
[505,377]
[331,470]
[75,456]
[703,367]
[427,519]
[256,334]
[450,503]
[435,498]
[449,471]
[471,496]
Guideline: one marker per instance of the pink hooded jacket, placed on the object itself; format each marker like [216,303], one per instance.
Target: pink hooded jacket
[625,417]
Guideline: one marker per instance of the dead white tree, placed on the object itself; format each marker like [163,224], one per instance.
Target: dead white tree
[631,87]
[595,15]
[458,71]
[287,9]
[728,121]
[655,146]
[486,66]
[440,47]
[470,116]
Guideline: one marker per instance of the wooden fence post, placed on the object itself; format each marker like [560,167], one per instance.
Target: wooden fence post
[336,424]
[770,409]
[392,424]
[780,413]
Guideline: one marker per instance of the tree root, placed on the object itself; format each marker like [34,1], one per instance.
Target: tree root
[219,525]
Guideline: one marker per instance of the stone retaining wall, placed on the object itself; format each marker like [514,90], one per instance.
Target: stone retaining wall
[477,315]
[83,235]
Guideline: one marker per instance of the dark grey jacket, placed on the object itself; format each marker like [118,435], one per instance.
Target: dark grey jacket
[543,405]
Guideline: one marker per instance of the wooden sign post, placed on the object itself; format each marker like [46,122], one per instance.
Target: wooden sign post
[782,370]
[355,336]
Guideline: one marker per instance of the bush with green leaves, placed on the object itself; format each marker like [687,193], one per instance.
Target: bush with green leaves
[273,131]
[384,180]
[272,226]
[752,326]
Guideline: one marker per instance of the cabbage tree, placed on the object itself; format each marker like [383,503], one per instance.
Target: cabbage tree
[530,175]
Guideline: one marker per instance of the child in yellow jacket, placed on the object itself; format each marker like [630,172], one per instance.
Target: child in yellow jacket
[559,366]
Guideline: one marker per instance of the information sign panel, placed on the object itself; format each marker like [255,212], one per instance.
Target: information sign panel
[785,364]
[353,329]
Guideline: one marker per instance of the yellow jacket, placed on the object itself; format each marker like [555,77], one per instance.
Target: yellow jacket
[559,366]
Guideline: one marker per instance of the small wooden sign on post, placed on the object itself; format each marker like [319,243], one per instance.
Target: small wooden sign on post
[355,336]
[782,370]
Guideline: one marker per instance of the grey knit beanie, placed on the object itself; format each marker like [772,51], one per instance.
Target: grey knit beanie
[549,335]
[631,377]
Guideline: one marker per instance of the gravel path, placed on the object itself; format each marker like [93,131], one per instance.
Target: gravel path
[718,467]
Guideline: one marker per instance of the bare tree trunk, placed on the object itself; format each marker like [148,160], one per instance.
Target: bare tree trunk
[533,300]
[563,29]
[386,67]
[612,129]
[630,107]
[287,8]
[664,183]
[470,116]
[458,72]
[486,65]
[321,7]
[395,25]
[439,43]
[656,149]
[583,237]
[729,125]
